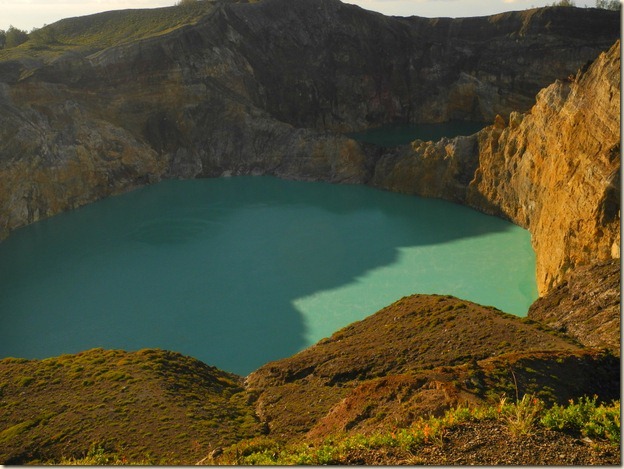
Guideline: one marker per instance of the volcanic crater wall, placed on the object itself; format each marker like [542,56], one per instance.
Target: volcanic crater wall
[263,87]
[554,170]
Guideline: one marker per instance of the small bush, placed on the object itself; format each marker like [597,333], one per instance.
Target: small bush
[99,456]
[586,418]
[24,381]
[523,415]
[608,4]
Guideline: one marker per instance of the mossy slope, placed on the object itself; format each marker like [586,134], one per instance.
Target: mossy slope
[149,405]
[87,34]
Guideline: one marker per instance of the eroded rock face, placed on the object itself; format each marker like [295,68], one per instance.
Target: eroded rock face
[55,156]
[324,64]
[556,170]
[586,305]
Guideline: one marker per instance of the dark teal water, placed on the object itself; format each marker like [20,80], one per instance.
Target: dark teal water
[241,271]
[393,135]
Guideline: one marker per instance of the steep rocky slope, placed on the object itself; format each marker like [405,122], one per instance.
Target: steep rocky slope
[557,170]
[554,170]
[586,305]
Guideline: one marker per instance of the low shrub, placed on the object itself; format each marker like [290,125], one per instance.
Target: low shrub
[523,415]
[587,418]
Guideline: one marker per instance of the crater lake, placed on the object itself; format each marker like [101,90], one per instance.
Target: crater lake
[240,271]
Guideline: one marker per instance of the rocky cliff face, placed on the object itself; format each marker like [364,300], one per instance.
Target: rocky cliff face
[585,305]
[55,155]
[554,170]
[327,65]
[254,87]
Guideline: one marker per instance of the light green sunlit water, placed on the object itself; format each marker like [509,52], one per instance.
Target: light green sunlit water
[241,271]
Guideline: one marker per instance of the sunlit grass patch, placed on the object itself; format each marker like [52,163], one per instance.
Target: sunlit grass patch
[523,417]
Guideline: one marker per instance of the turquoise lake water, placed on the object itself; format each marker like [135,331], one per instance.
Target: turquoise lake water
[240,271]
[393,134]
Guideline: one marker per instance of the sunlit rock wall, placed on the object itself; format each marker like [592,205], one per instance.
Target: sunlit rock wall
[554,170]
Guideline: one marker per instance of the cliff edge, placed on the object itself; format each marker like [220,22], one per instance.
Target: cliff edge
[554,170]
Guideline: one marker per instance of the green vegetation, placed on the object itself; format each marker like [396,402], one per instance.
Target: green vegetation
[587,418]
[521,418]
[609,4]
[136,404]
[603,4]
[158,407]
[99,456]
[99,31]
[12,37]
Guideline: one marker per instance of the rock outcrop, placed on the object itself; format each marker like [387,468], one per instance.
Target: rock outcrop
[586,305]
[554,170]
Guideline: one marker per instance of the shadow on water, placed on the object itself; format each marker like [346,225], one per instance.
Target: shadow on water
[210,268]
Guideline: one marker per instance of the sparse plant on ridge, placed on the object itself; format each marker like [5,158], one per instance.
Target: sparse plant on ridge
[609,4]
[523,415]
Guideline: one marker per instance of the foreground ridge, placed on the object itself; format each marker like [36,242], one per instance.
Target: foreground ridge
[165,408]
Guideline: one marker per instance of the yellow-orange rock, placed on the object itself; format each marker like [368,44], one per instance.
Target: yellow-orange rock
[556,170]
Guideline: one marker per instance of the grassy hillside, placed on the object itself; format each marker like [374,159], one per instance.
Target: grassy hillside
[95,32]
[149,406]
[416,333]
[522,432]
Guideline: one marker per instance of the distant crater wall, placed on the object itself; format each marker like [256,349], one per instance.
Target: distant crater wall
[327,65]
